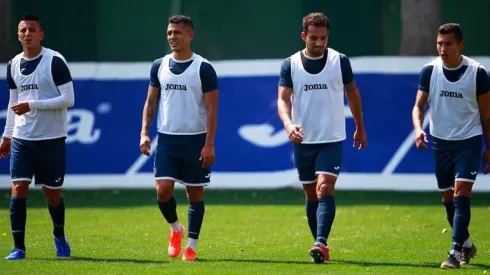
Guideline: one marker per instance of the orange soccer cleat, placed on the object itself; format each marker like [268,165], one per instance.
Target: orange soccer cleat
[189,254]
[175,242]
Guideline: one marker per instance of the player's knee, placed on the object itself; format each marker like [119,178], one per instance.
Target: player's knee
[325,189]
[447,196]
[53,196]
[326,185]
[463,188]
[195,193]
[165,189]
[310,191]
[20,189]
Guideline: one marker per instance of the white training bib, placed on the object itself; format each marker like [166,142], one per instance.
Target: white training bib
[181,109]
[318,100]
[38,124]
[453,106]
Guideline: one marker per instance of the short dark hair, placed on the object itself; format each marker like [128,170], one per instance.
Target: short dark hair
[453,28]
[316,19]
[32,17]
[181,19]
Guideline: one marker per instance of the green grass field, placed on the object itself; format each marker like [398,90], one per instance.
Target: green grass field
[245,232]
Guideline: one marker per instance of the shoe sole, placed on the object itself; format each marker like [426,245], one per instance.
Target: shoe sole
[317,256]
[17,259]
[443,266]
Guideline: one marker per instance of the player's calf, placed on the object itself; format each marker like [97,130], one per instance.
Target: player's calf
[326,207]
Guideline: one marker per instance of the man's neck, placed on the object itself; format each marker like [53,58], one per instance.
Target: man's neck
[455,63]
[184,55]
[32,52]
[308,54]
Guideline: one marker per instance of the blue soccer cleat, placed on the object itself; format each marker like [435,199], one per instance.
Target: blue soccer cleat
[16,254]
[62,247]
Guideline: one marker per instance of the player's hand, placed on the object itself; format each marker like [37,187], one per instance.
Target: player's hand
[360,139]
[295,133]
[145,145]
[486,161]
[421,139]
[207,156]
[21,108]
[5,147]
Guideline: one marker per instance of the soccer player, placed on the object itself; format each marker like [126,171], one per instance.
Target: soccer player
[41,90]
[313,81]
[184,87]
[457,90]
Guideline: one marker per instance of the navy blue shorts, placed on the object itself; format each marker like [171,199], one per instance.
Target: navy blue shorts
[456,160]
[177,158]
[314,159]
[43,160]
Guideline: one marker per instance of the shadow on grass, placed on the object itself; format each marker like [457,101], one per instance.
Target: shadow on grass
[359,263]
[102,260]
[482,266]
[147,197]
[373,264]
[260,261]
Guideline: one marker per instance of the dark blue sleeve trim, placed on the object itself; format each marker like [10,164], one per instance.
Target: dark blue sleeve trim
[482,81]
[345,67]
[285,79]
[10,80]
[424,78]
[209,78]
[59,70]
[154,81]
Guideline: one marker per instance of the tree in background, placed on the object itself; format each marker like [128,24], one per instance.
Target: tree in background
[5,43]
[420,21]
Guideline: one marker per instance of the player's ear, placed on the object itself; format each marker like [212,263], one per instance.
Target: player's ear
[303,36]
[42,34]
[191,34]
[461,45]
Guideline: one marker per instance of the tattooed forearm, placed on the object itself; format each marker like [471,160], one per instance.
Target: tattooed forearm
[149,112]
[485,122]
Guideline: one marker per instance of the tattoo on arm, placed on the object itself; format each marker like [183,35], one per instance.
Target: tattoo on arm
[351,87]
[150,110]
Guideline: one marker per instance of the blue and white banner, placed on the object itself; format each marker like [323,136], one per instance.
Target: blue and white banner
[252,149]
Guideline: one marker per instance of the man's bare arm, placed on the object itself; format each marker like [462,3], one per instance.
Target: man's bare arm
[150,109]
[355,104]
[484,105]
[419,109]
[283,105]
[211,102]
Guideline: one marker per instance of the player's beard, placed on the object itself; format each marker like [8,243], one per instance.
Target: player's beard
[316,51]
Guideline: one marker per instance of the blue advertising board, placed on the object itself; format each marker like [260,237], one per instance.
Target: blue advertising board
[252,149]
